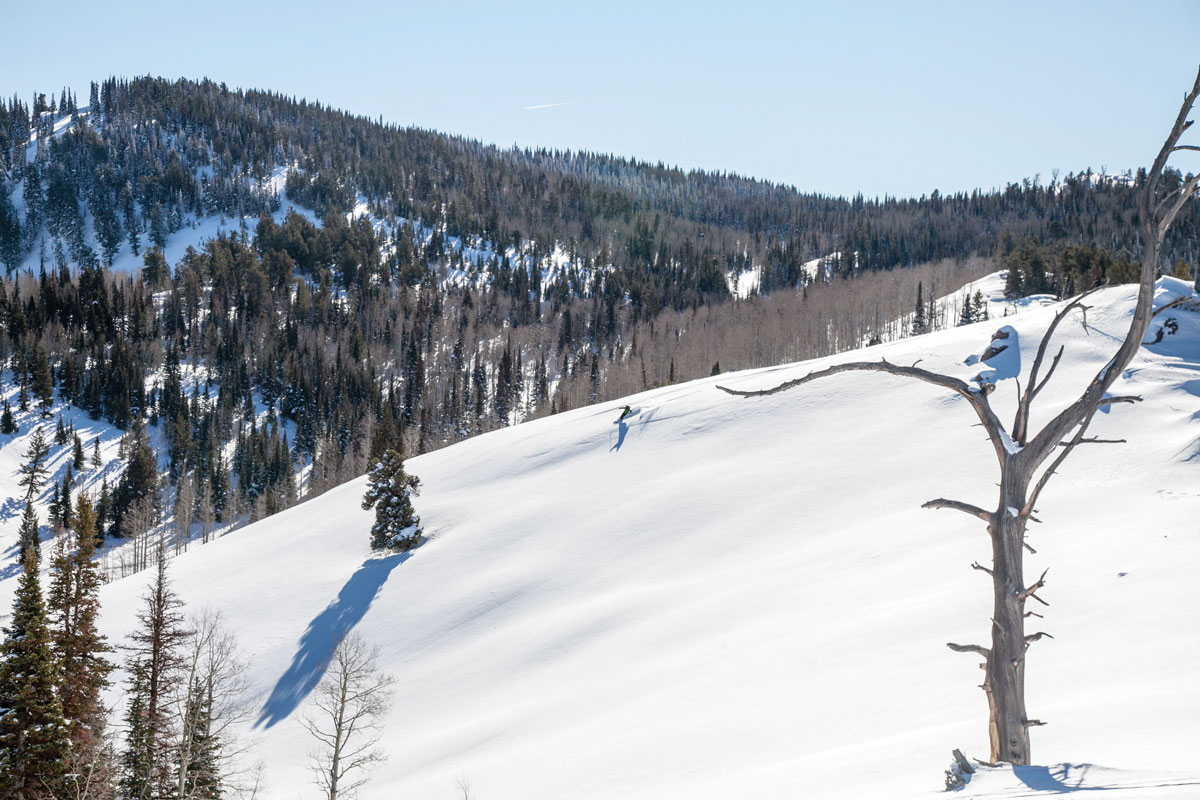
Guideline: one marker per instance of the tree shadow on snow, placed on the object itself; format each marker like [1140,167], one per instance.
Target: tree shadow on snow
[11,509]
[1059,779]
[324,634]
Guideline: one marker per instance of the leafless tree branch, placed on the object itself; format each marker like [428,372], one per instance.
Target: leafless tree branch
[1178,301]
[1185,194]
[969,648]
[350,701]
[1127,398]
[1038,584]
[1021,423]
[977,398]
[966,508]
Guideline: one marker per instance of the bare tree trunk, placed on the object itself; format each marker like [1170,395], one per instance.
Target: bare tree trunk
[1022,455]
[1004,683]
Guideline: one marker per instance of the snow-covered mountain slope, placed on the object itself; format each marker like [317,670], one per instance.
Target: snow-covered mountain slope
[13,449]
[731,597]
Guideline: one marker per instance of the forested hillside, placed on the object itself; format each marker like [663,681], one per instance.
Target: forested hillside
[438,286]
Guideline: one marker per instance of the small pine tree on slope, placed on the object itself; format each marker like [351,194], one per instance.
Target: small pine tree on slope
[30,539]
[390,491]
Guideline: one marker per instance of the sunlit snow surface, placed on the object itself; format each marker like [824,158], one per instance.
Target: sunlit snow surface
[742,598]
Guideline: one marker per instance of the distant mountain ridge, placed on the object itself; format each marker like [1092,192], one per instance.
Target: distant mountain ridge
[146,153]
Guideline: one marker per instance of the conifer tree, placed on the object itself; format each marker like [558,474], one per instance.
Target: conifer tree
[202,772]
[154,663]
[103,506]
[28,537]
[920,323]
[55,507]
[981,311]
[33,471]
[33,734]
[81,649]
[77,460]
[7,423]
[43,383]
[390,491]
[65,513]
[137,760]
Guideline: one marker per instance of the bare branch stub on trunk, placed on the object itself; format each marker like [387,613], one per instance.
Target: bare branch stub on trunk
[1023,454]
[967,508]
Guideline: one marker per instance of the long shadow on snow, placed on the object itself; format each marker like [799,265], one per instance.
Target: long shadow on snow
[622,430]
[323,635]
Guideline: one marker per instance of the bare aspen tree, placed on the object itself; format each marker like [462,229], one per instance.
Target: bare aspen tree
[209,702]
[138,524]
[91,775]
[346,718]
[1028,458]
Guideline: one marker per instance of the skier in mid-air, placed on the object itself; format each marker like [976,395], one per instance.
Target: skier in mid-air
[625,412]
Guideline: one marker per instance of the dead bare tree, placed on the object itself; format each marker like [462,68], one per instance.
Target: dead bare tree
[1028,460]
[346,718]
[208,706]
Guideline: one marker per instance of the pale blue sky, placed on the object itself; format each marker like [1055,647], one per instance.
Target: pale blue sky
[884,98]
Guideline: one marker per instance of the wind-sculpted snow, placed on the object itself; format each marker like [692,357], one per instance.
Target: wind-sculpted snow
[741,597]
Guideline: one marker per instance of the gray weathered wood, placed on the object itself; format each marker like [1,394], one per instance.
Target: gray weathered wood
[1023,462]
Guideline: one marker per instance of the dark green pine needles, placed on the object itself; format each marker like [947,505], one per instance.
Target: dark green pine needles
[390,491]
[33,734]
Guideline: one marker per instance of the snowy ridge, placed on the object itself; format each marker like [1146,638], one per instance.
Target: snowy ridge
[729,597]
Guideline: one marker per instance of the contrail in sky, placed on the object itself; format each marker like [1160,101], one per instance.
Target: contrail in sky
[548,105]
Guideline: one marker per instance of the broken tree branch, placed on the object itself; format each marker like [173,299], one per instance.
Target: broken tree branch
[1126,398]
[966,508]
[978,566]
[969,648]
[1038,584]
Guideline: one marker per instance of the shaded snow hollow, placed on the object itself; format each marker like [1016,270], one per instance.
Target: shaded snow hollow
[725,597]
